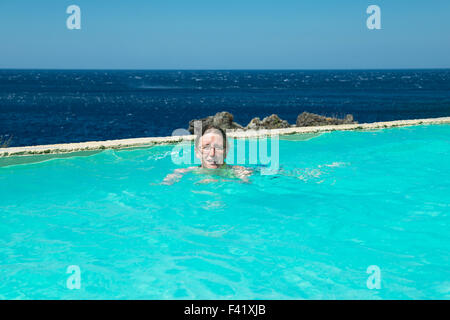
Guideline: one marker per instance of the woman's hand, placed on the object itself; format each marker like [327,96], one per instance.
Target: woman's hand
[176,176]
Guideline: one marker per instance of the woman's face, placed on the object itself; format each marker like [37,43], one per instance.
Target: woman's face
[211,150]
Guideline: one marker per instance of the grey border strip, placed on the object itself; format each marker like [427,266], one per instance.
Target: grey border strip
[144,142]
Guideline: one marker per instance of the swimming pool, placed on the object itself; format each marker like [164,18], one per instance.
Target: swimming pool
[342,202]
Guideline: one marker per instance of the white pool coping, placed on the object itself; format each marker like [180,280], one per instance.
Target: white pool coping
[144,142]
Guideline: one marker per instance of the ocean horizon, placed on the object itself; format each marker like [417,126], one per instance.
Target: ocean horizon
[50,106]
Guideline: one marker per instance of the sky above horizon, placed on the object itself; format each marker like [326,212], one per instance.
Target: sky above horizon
[232,34]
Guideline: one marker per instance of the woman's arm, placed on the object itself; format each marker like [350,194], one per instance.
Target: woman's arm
[176,175]
[243,173]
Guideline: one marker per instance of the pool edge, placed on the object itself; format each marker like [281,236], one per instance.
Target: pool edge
[153,141]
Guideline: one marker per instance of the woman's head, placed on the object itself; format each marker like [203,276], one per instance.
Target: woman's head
[211,147]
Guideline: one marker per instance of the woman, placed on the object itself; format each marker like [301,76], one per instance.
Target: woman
[211,147]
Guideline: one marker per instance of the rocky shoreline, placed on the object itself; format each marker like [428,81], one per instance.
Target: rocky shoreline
[236,133]
[225,120]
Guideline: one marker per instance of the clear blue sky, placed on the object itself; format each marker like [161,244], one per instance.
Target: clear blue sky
[224,34]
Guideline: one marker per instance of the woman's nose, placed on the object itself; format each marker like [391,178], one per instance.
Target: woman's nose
[212,151]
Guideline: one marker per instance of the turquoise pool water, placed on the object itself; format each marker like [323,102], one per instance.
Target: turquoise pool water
[342,201]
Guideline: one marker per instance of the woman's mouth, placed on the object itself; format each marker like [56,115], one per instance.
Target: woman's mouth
[212,162]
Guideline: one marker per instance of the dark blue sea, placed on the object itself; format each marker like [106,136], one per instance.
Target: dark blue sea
[57,106]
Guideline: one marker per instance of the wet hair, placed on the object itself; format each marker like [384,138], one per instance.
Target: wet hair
[209,128]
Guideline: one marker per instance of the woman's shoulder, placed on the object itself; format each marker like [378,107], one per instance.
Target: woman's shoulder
[183,170]
[241,168]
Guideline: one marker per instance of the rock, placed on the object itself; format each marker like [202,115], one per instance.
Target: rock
[270,122]
[274,122]
[307,119]
[254,124]
[225,121]
[349,118]
[222,119]
[5,142]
